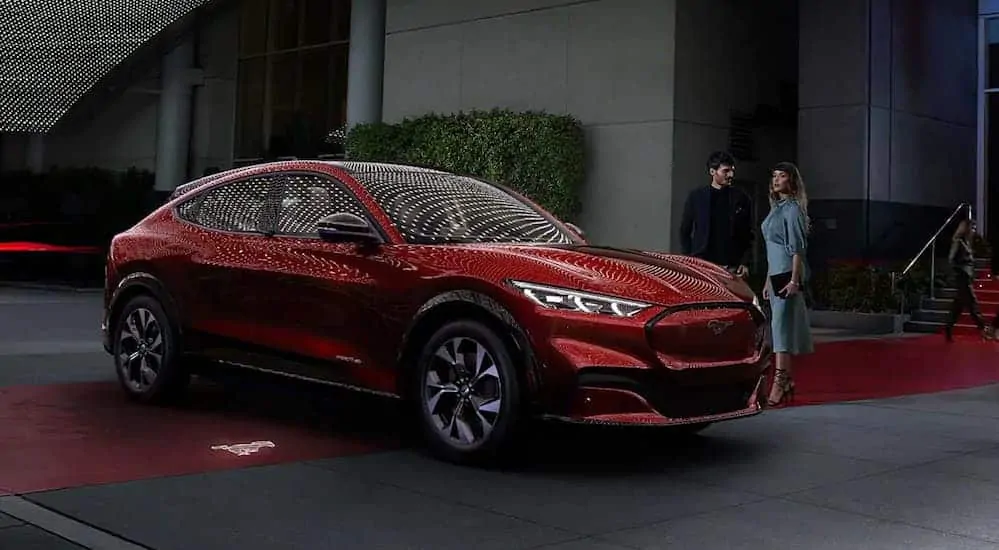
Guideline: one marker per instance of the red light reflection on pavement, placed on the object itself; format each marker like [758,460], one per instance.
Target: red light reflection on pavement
[70,435]
[43,247]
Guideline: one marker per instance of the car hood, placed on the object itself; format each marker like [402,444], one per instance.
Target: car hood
[652,277]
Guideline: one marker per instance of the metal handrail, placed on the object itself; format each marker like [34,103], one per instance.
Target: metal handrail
[936,235]
[931,244]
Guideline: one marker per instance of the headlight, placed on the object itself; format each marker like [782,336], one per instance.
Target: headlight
[574,300]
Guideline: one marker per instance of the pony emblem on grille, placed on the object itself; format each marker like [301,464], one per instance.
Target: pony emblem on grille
[718,326]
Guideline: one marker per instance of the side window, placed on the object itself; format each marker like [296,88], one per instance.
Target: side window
[239,206]
[309,198]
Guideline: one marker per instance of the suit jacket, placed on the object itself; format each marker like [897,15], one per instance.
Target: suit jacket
[696,223]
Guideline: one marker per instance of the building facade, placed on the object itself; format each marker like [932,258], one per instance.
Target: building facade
[874,99]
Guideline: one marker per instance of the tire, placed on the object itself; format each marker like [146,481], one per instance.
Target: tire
[495,394]
[160,353]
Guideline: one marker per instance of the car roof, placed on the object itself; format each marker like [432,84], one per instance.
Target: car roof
[353,168]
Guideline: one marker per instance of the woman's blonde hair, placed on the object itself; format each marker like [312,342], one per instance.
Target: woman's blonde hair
[798,191]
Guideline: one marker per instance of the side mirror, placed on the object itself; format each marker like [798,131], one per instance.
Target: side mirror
[347,228]
[575,228]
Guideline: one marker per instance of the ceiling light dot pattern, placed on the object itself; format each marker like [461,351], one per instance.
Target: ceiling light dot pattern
[53,52]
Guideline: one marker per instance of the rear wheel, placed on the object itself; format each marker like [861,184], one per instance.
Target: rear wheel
[468,393]
[146,352]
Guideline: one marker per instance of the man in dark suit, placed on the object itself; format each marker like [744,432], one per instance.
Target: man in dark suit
[717,223]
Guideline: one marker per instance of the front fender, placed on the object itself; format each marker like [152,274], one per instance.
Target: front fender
[494,309]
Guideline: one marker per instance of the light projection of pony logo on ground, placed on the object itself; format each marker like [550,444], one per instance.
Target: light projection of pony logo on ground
[244,449]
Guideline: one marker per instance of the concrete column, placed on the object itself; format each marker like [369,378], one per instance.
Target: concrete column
[173,133]
[366,63]
[886,127]
[844,118]
[36,153]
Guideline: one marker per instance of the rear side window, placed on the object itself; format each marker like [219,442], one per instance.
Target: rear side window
[242,206]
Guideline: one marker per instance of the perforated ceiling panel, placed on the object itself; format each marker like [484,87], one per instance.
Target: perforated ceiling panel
[53,51]
[433,207]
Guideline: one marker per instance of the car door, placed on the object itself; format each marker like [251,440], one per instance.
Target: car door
[337,299]
[229,238]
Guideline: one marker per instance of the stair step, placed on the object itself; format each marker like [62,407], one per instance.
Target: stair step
[943,304]
[941,316]
[983,294]
[924,327]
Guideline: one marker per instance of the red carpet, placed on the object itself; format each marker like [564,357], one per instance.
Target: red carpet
[70,435]
[873,369]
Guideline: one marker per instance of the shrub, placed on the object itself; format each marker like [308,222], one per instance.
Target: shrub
[866,288]
[537,154]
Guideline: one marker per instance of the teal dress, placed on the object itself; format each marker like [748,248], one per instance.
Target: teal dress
[785,235]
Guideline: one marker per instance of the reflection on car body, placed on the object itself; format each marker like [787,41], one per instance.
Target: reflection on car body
[465,299]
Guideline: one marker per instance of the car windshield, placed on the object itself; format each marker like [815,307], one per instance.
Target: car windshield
[430,207]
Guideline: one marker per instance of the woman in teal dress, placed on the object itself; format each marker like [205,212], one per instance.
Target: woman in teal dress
[785,231]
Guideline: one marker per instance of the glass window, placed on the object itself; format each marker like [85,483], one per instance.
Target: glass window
[250,108]
[992,52]
[318,22]
[336,120]
[253,28]
[429,207]
[292,89]
[309,198]
[991,115]
[240,206]
[284,21]
[341,21]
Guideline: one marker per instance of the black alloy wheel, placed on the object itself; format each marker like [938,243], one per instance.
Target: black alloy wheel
[468,392]
[145,352]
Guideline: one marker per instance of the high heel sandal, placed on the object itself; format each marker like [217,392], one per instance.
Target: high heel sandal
[786,384]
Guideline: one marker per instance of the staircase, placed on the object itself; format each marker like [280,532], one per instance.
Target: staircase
[933,312]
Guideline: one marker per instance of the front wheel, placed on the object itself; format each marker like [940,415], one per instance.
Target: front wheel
[468,393]
[146,352]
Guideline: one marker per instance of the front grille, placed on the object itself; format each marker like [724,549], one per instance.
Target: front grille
[695,335]
[677,401]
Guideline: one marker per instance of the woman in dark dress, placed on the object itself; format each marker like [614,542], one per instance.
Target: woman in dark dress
[962,263]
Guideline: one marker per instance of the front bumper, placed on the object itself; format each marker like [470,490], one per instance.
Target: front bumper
[615,396]
[688,364]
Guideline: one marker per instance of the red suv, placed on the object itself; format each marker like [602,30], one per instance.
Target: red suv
[457,295]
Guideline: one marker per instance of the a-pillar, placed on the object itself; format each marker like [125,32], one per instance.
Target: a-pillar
[366,62]
[173,135]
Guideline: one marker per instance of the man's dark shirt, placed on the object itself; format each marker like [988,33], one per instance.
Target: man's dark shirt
[720,243]
[717,226]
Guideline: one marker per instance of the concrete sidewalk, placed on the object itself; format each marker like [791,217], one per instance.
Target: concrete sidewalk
[916,472]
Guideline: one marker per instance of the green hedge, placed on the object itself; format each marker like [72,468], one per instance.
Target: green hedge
[865,288]
[540,155]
